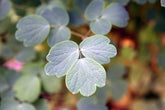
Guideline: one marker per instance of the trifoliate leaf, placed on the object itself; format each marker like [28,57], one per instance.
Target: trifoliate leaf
[27,88]
[56,16]
[58,34]
[32,30]
[41,104]
[163,3]
[61,57]
[84,76]
[5,7]
[98,48]
[51,84]
[116,14]
[94,9]
[100,26]
[89,104]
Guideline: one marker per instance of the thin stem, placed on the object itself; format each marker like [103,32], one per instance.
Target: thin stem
[77,34]
[88,33]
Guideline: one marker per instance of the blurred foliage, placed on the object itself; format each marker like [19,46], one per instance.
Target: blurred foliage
[135,78]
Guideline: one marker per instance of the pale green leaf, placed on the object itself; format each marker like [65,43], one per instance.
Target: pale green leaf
[118,88]
[3,84]
[163,3]
[94,9]
[5,7]
[41,104]
[116,14]
[11,104]
[27,88]
[56,16]
[51,84]
[88,104]
[98,48]
[58,34]
[32,30]
[100,26]
[116,71]
[61,57]
[25,55]
[85,76]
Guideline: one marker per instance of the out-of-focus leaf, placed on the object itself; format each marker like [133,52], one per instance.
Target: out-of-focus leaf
[11,104]
[4,25]
[97,47]
[100,26]
[94,9]
[8,94]
[76,19]
[61,57]
[81,5]
[123,2]
[56,16]
[163,3]
[161,58]
[25,55]
[32,68]
[116,14]
[3,84]
[140,1]
[128,53]
[85,76]
[116,71]
[58,34]
[89,104]
[118,88]
[51,84]
[5,6]
[27,88]
[116,84]
[41,104]
[32,30]
[6,51]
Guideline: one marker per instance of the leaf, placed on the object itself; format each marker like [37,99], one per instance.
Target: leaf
[51,84]
[118,88]
[84,76]
[27,88]
[100,26]
[32,30]
[61,57]
[41,104]
[11,104]
[116,14]
[117,85]
[116,71]
[94,9]
[3,84]
[140,1]
[76,18]
[56,16]
[8,94]
[88,104]
[163,3]
[25,55]
[5,6]
[98,48]
[6,51]
[58,34]
[123,2]
[161,58]
[81,5]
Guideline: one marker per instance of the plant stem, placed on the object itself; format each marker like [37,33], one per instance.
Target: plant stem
[77,34]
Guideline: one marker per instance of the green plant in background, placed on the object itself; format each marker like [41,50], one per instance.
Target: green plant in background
[48,29]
